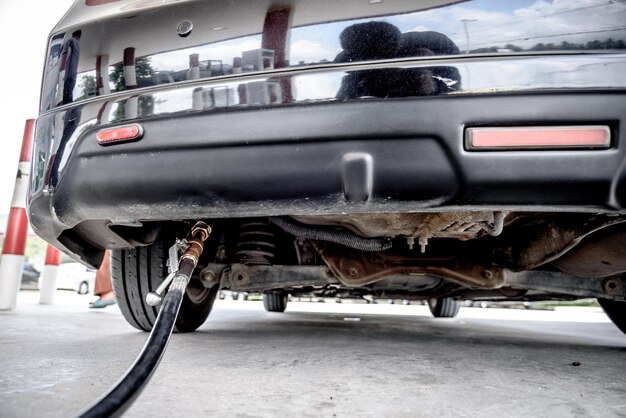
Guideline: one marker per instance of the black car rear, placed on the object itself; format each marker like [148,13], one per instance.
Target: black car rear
[475,139]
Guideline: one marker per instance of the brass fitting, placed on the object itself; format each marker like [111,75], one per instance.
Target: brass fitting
[199,233]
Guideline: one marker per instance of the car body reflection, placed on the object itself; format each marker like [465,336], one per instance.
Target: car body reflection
[236,42]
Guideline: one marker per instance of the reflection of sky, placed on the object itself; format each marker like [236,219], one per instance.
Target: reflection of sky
[173,101]
[224,51]
[527,23]
[490,23]
[509,75]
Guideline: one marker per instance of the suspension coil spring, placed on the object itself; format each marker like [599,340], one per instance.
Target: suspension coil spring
[256,244]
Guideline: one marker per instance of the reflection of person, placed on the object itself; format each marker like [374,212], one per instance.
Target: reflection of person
[71,120]
[369,41]
[69,65]
[433,43]
[103,287]
[53,65]
[382,40]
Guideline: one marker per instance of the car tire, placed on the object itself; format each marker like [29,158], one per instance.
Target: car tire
[444,307]
[275,301]
[137,271]
[616,311]
[83,288]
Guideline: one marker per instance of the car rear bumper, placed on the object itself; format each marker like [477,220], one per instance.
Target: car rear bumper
[399,155]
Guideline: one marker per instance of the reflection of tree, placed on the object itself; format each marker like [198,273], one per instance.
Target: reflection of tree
[143,70]
[145,73]
[563,46]
[87,87]
[145,107]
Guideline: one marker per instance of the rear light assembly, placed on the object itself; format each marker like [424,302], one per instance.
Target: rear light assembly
[118,134]
[537,138]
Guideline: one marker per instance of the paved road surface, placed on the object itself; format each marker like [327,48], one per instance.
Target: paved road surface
[319,360]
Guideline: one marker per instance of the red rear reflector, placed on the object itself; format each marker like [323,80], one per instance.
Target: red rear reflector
[119,134]
[554,137]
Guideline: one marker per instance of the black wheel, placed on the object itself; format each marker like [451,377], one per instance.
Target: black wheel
[137,271]
[234,295]
[244,296]
[275,301]
[616,311]
[83,288]
[444,307]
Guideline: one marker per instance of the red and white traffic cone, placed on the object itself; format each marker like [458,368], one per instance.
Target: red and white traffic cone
[130,79]
[194,67]
[102,75]
[197,102]
[12,260]
[130,73]
[48,281]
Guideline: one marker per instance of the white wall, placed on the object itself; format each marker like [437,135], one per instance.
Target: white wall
[25,27]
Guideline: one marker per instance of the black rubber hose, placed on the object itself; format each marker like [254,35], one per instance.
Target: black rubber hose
[123,394]
[330,235]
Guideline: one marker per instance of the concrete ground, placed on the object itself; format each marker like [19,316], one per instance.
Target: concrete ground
[319,360]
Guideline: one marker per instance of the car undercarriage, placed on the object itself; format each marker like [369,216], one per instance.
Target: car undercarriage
[460,253]
[492,256]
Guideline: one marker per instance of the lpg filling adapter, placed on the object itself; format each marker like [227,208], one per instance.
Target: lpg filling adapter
[121,396]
